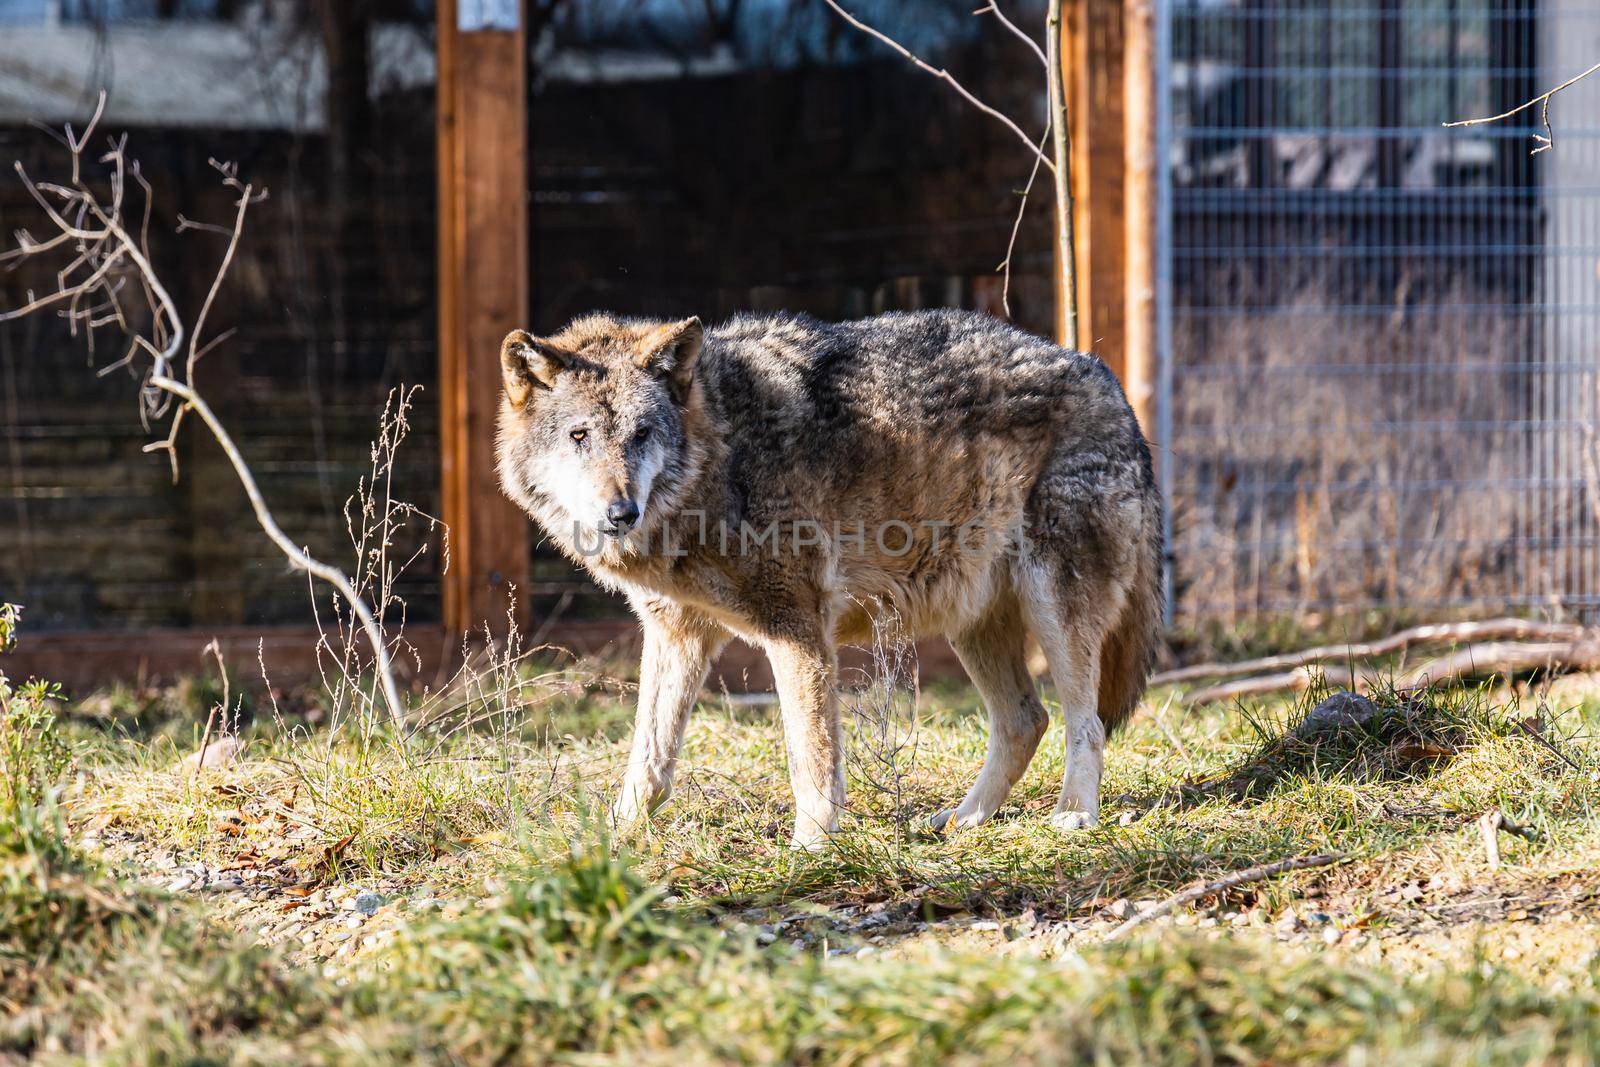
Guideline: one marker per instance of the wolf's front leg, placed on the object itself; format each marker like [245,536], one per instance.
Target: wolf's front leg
[678,650]
[804,674]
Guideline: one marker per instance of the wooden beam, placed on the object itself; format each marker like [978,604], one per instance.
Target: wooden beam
[1092,58]
[86,662]
[483,294]
[1141,185]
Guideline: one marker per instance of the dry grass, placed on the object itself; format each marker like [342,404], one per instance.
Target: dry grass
[1330,460]
[568,945]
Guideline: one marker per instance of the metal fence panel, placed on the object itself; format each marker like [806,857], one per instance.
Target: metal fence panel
[1381,360]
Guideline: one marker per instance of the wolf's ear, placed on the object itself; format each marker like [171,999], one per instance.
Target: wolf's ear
[670,353]
[528,363]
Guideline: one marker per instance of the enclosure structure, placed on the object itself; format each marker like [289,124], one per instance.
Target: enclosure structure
[1382,343]
[672,170]
[1375,335]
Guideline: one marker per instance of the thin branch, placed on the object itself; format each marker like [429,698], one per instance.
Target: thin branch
[1237,878]
[297,556]
[946,77]
[1016,226]
[1542,101]
[211,718]
[993,8]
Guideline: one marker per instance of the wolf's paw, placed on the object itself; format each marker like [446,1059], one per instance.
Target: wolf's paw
[628,812]
[1073,820]
[812,843]
[950,820]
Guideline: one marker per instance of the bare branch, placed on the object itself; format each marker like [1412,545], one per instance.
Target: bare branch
[1016,226]
[86,292]
[946,77]
[301,559]
[1546,140]
[1237,878]
[993,8]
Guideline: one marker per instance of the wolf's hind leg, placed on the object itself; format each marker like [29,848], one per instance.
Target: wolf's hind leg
[1071,630]
[992,652]
[678,649]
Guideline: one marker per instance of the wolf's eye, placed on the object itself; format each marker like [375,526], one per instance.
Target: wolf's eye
[641,435]
[578,436]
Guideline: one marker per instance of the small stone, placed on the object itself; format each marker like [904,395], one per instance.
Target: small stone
[369,903]
[1123,909]
[1331,935]
[1339,711]
[765,935]
[353,922]
[866,950]
[1288,924]
[985,925]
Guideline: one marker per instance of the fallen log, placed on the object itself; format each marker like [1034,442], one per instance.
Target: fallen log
[1493,658]
[1504,658]
[1296,681]
[1442,633]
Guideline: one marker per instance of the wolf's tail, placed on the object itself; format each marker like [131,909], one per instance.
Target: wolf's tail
[1129,650]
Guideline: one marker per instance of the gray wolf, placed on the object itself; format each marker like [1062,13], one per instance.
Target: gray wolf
[790,482]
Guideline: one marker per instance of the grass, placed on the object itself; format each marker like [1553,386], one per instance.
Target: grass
[704,939]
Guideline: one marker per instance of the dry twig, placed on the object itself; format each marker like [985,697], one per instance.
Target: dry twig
[1237,878]
[1546,140]
[211,717]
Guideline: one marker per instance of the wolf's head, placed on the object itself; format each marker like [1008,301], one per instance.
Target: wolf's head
[593,421]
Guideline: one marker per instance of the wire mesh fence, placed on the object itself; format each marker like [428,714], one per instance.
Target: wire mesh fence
[1381,363]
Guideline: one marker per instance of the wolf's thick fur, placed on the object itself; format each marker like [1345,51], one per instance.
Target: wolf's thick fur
[972,479]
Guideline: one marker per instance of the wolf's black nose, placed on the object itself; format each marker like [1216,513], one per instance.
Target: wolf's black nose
[622,513]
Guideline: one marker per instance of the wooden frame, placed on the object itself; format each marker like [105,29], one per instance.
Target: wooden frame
[1109,73]
[483,294]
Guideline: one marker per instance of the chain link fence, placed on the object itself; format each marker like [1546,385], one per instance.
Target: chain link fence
[1380,370]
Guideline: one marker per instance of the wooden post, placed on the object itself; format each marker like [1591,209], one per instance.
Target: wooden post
[1092,55]
[483,294]
[1140,120]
